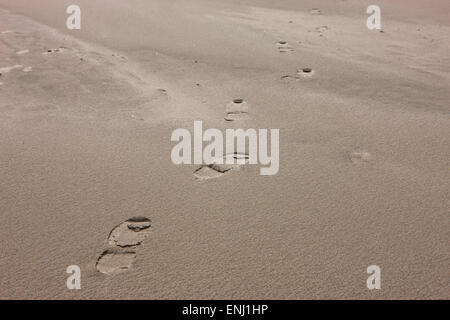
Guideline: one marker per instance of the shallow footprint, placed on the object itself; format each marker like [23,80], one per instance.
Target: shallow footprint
[289,78]
[283,47]
[237,110]
[315,11]
[359,157]
[321,29]
[113,261]
[54,50]
[215,170]
[131,232]
[206,172]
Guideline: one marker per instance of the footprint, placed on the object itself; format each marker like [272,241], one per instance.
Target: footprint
[283,47]
[301,73]
[315,11]
[306,72]
[55,50]
[289,78]
[118,56]
[359,157]
[114,261]
[237,110]
[215,170]
[321,29]
[159,97]
[22,51]
[130,233]
[206,172]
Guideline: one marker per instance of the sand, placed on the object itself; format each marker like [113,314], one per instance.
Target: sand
[86,118]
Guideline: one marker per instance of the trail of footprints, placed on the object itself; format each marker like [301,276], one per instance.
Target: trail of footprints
[123,240]
[235,110]
[238,110]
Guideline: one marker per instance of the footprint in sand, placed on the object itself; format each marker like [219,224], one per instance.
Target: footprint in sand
[237,110]
[301,73]
[232,162]
[289,78]
[305,72]
[114,261]
[118,56]
[129,233]
[315,11]
[55,50]
[359,157]
[159,97]
[22,52]
[321,29]
[284,47]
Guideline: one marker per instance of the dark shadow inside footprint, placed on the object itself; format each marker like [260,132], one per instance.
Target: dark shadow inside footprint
[306,72]
[283,46]
[130,232]
[237,110]
[138,223]
[55,50]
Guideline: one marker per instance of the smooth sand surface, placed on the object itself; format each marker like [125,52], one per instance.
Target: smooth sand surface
[85,123]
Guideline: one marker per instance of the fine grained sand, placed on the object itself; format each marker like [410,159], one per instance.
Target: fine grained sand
[86,118]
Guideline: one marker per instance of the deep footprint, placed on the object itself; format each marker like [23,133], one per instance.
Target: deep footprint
[131,232]
[237,110]
[113,261]
[305,72]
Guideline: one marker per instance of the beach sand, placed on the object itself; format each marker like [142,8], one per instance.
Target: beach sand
[86,118]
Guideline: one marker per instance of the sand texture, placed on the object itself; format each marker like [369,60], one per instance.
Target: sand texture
[86,176]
